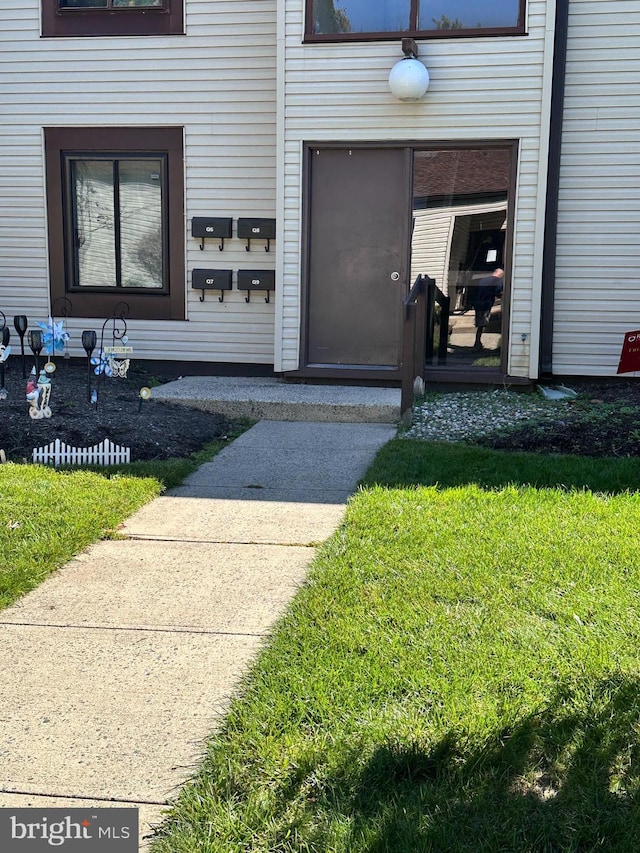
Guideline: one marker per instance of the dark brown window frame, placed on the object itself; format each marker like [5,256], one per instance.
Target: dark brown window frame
[126,21]
[60,143]
[487,32]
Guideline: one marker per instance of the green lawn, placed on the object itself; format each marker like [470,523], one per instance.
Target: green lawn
[460,672]
[48,516]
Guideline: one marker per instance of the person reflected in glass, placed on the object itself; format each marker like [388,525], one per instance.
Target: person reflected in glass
[489,288]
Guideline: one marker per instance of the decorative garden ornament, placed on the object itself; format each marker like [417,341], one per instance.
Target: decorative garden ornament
[119,368]
[5,351]
[89,340]
[38,395]
[119,358]
[20,322]
[102,364]
[55,337]
[145,394]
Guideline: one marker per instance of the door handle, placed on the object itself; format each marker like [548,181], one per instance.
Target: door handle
[395,276]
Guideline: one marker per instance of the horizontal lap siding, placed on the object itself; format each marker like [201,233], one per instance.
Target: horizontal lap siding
[481,89]
[219,83]
[597,294]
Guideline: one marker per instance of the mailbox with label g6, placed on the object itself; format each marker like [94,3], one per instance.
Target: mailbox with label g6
[207,227]
[257,229]
[211,280]
[256,280]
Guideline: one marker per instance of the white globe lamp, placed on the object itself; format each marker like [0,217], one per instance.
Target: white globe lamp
[409,79]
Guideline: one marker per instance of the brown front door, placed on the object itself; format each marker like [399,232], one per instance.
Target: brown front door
[358,213]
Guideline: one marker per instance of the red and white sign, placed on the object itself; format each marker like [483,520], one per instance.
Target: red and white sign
[630,355]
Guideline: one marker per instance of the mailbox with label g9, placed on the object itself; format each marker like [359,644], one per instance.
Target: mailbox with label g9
[256,280]
[257,229]
[211,280]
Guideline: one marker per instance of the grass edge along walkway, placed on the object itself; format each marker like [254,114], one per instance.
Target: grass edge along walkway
[48,516]
[459,673]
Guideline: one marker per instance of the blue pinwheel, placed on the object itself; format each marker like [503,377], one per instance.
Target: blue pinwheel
[102,364]
[55,336]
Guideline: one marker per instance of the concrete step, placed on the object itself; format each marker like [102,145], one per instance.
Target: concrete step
[270,398]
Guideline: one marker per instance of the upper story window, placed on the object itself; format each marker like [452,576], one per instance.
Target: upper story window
[360,20]
[112,17]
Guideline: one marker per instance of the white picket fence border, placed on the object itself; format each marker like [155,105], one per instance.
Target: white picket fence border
[59,453]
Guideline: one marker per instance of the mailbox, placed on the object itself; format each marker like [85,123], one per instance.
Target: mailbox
[257,229]
[256,280]
[211,280]
[207,227]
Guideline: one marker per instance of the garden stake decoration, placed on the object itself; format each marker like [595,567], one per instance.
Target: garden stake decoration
[5,351]
[36,343]
[104,362]
[38,395]
[145,394]
[54,340]
[59,334]
[20,324]
[89,340]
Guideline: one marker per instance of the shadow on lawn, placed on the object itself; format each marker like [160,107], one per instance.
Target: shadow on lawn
[565,779]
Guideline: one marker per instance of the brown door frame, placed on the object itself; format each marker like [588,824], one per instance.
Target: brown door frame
[433,373]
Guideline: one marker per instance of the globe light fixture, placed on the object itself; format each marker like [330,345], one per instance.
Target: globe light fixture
[409,79]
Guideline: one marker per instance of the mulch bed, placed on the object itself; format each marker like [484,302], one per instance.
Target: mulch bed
[603,421]
[153,430]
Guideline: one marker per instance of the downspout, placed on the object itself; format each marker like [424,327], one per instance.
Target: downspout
[553,188]
[280,184]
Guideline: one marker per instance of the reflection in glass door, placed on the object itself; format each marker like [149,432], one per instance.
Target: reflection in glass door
[460,216]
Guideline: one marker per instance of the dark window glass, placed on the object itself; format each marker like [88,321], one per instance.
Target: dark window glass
[107,4]
[350,17]
[117,227]
[361,16]
[467,14]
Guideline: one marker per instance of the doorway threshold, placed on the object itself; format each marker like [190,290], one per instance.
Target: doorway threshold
[353,374]
[470,378]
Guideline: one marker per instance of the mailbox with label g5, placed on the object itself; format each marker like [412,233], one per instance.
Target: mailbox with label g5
[256,280]
[257,229]
[211,280]
[207,227]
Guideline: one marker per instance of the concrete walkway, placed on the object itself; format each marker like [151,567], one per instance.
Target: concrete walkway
[117,667]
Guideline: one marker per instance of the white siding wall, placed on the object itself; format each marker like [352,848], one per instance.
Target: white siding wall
[480,89]
[219,83]
[597,282]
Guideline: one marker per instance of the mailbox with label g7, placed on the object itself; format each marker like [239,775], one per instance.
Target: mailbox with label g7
[257,229]
[256,280]
[211,280]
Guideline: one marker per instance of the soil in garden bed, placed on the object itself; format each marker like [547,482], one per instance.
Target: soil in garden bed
[603,421]
[153,430]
